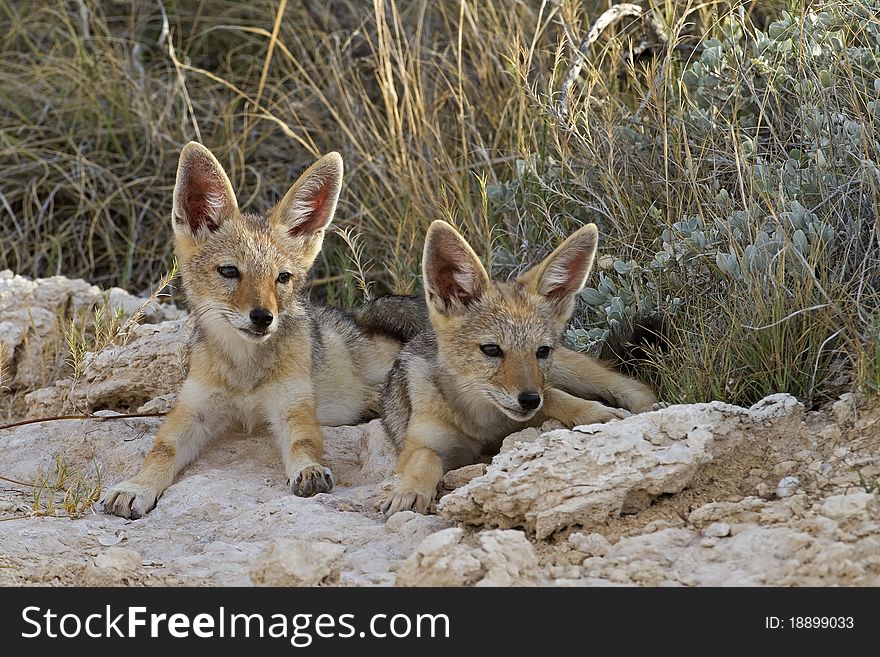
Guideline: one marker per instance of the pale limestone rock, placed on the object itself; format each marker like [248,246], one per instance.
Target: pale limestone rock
[149,311]
[414,527]
[586,476]
[785,467]
[452,558]
[844,409]
[745,510]
[833,542]
[717,530]
[589,545]
[220,514]
[787,486]
[113,566]
[441,560]
[34,316]
[528,435]
[460,476]
[124,377]
[298,562]
[859,506]
[161,404]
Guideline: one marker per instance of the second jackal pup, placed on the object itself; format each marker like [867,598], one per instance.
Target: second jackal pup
[260,353]
[492,363]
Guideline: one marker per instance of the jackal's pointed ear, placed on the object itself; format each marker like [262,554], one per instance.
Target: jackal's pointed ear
[564,272]
[452,273]
[203,197]
[308,207]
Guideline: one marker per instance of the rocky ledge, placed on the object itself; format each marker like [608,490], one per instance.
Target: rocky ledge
[705,494]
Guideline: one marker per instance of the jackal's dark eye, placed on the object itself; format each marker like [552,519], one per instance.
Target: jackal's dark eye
[491,350]
[228,271]
[543,352]
[284,277]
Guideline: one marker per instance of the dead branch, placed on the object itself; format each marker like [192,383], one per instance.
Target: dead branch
[123,416]
[608,18]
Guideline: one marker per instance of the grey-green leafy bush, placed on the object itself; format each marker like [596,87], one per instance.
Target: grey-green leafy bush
[693,255]
[758,237]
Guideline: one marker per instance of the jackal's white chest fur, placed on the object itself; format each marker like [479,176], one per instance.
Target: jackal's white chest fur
[254,384]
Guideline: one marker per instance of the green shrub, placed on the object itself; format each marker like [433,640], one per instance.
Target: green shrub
[751,223]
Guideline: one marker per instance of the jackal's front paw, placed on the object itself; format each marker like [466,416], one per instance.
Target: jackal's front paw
[406,499]
[595,412]
[311,480]
[130,500]
[640,401]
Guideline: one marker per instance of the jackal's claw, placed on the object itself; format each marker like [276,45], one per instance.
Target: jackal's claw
[311,480]
[406,500]
[130,500]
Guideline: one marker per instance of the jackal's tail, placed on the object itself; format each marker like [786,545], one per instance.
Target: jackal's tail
[398,316]
[632,342]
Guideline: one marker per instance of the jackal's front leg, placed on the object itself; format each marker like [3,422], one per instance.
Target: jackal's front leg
[302,447]
[181,438]
[421,469]
[585,377]
[573,411]
[421,463]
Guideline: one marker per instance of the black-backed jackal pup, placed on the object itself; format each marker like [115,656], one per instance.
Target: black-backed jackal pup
[492,363]
[260,354]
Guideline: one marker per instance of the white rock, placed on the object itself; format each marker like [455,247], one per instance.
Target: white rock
[590,545]
[787,486]
[150,311]
[229,519]
[113,566]
[717,530]
[844,408]
[34,315]
[860,505]
[123,377]
[584,477]
[460,476]
[784,467]
[529,435]
[298,562]
[453,558]
[220,514]
[111,539]
[161,404]
[441,560]
[414,526]
[807,553]
[29,324]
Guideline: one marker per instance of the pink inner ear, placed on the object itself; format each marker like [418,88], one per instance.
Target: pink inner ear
[199,211]
[203,201]
[572,269]
[448,287]
[315,212]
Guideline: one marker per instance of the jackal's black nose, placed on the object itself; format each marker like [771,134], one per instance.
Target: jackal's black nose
[529,400]
[261,317]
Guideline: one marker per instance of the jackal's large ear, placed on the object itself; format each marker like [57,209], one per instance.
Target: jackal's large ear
[564,272]
[203,197]
[452,273]
[308,208]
